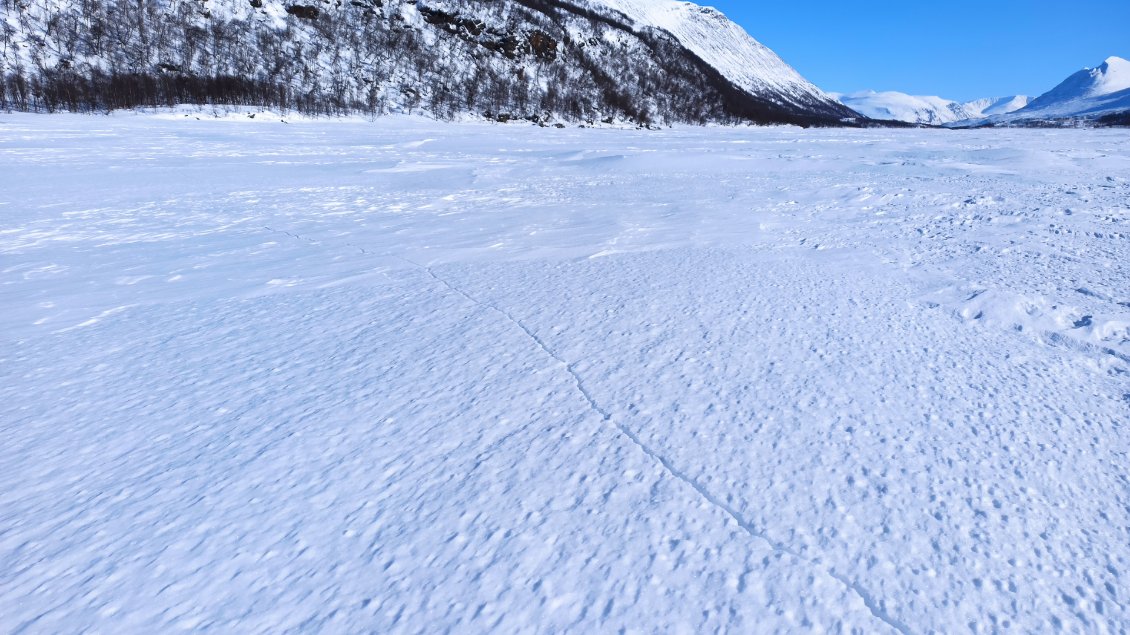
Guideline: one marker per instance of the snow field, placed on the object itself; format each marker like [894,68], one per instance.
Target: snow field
[403,376]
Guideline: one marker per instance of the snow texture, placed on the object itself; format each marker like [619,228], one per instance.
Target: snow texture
[407,377]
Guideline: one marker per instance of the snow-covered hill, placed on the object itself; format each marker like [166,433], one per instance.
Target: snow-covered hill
[995,105]
[893,105]
[1088,94]
[727,47]
[643,61]
[1109,78]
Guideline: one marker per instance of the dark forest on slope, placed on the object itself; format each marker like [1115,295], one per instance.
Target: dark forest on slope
[540,60]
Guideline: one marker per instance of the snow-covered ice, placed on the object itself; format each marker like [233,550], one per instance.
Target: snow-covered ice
[404,376]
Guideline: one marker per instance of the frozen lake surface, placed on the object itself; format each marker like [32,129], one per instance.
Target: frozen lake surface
[407,377]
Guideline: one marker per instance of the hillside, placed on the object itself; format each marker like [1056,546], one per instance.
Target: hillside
[727,47]
[655,62]
[1091,96]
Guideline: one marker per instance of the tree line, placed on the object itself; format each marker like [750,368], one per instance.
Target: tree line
[502,58]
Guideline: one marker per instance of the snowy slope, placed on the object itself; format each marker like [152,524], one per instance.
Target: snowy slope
[568,60]
[1112,76]
[902,107]
[1105,87]
[1088,93]
[898,106]
[727,47]
[995,105]
[409,377]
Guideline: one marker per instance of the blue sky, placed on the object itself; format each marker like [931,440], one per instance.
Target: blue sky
[956,49]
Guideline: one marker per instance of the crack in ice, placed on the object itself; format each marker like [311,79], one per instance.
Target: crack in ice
[869,601]
[311,240]
[873,606]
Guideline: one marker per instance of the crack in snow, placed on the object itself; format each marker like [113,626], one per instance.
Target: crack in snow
[291,234]
[873,606]
[869,601]
[311,240]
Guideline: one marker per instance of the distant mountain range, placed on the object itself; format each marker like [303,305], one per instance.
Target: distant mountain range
[896,106]
[1092,95]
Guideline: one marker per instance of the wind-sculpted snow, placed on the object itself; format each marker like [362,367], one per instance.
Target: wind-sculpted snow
[415,377]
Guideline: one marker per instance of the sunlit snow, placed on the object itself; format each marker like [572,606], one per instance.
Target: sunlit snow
[404,376]
[725,45]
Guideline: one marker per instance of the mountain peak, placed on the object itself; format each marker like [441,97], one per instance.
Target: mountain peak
[1087,93]
[1111,76]
[725,46]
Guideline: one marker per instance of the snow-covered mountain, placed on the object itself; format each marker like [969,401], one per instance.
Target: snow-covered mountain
[727,47]
[643,61]
[1088,94]
[995,105]
[1088,90]
[892,105]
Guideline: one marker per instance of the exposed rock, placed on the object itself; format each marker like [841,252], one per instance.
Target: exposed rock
[303,11]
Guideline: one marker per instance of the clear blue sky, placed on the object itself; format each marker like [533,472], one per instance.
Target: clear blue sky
[957,49]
